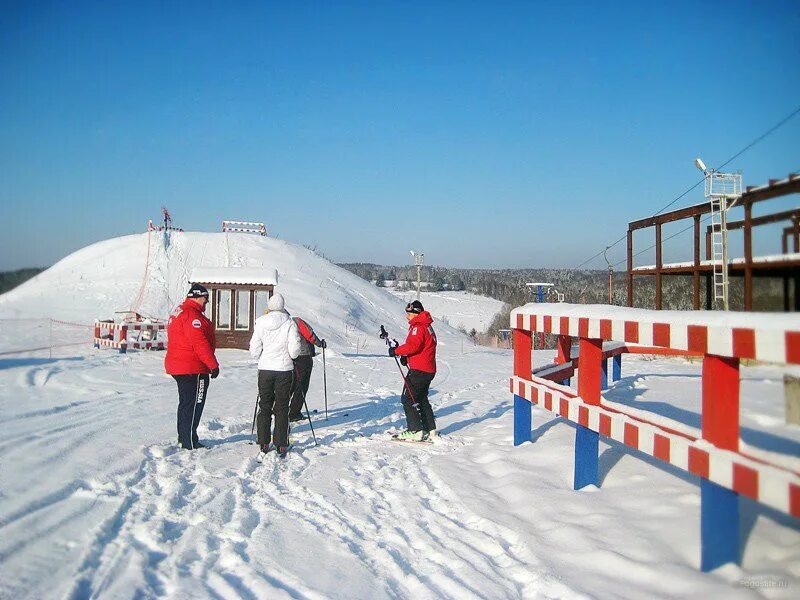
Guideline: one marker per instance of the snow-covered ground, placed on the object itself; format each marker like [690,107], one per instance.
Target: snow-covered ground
[96,501]
[459,309]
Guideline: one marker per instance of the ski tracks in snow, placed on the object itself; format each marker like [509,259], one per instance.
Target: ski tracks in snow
[183,529]
[192,524]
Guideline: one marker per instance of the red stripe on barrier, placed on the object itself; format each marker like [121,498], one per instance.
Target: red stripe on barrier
[563,408]
[631,435]
[583,327]
[744,343]
[794,500]
[519,321]
[548,401]
[661,334]
[548,324]
[605,329]
[631,331]
[661,447]
[698,462]
[793,347]
[583,416]
[745,481]
[563,324]
[697,336]
[605,425]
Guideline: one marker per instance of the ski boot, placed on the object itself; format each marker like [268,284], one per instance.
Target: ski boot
[265,448]
[411,436]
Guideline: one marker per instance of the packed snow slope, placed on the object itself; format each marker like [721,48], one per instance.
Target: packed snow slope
[459,309]
[97,502]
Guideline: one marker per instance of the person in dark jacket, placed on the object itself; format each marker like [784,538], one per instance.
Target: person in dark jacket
[190,360]
[303,366]
[419,350]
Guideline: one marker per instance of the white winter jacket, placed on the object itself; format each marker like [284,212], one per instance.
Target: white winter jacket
[275,342]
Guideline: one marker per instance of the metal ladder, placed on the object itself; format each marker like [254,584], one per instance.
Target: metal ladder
[719,234]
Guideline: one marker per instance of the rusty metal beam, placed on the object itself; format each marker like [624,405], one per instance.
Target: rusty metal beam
[748,256]
[775,189]
[630,268]
[696,274]
[659,265]
[786,215]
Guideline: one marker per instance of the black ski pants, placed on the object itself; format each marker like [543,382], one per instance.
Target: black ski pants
[274,388]
[302,379]
[419,414]
[192,390]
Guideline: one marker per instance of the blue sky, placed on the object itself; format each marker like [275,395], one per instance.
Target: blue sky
[495,134]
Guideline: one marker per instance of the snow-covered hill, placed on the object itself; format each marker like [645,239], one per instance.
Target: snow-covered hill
[106,277]
[96,502]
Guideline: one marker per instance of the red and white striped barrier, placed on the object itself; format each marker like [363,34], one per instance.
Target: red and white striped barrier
[722,339]
[761,336]
[244,227]
[771,485]
[115,335]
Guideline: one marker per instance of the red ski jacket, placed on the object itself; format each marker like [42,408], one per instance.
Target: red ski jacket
[310,338]
[190,341]
[420,345]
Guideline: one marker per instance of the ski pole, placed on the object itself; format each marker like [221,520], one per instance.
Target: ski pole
[308,412]
[308,415]
[324,382]
[253,429]
[385,336]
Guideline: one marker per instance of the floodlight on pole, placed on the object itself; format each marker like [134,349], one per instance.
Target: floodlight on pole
[611,274]
[698,162]
[723,191]
[419,259]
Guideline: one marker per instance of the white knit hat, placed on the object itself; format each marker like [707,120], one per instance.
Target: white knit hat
[275,302]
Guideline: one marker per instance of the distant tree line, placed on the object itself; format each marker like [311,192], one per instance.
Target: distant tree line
[11,279]
[578,287]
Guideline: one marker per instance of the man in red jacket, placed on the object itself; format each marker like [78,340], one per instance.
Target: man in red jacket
[419,350]
[190,360]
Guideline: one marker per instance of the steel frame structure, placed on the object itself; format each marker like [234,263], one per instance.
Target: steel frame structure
[747,267]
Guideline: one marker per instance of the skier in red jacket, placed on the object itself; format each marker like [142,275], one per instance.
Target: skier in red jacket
[419,350]
[303,365]
[190,360]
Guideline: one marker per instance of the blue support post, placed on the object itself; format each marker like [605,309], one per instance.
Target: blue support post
[719,526]
[617,367]
[586,457]
[522,420]
[604,375]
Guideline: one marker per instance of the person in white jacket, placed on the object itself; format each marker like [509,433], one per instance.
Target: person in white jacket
[275,343]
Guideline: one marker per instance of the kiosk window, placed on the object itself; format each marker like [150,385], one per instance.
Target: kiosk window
[262,297]
[223,301]
[243,309]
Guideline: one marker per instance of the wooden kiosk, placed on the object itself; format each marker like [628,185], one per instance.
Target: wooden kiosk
[238,295]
